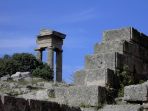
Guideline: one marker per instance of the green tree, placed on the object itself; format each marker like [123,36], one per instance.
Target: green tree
[26,62]
[43,72]
[23,62]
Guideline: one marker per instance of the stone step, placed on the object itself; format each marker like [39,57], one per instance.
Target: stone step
[122,108]
[82,96]
[135,65]
[113,46]
[117,35]
[139,38]
[135,93]
[100,77]
[126,34]
[101,60]
[89,109]
[136,50]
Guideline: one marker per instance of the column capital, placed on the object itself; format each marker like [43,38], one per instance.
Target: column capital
[39,49]
[50,47]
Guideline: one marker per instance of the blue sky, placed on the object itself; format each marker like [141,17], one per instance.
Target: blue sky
[83,21]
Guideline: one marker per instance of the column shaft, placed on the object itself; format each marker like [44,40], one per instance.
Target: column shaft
[39,55]
[50,60]
[59,66]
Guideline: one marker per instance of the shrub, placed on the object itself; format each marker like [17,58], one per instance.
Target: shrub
[22,62]
[43,72]
[26,62]
[125,78]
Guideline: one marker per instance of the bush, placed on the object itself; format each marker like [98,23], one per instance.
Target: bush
[125,78]
[8,66]
[24,62]
[43,72]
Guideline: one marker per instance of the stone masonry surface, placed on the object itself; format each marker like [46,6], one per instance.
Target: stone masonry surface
[94,87]
[119,48]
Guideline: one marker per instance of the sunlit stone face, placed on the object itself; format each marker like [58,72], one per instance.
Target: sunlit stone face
[45,32]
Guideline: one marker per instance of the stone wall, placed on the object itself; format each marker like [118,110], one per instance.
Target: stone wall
[8,103]
[135,55]
[119,48]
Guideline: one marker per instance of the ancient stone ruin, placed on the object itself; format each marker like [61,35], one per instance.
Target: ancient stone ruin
[119,48]
[52,41]
[96,86]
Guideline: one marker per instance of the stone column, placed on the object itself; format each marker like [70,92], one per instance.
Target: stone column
[59,65]
[39,54]
[50,60]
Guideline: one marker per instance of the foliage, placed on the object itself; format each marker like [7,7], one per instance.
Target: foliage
[26,62]
[43,72]
[125,78]
[22,62]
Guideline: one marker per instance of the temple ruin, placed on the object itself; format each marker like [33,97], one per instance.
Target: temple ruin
[52,41]
[96,87]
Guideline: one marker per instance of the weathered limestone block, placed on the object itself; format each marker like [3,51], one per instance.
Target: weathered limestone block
[113,46]
[8,103]
[81,95]
[79,77]
[136,50]
[145,106]
[61,95]
[134,64]
[136,92]
[20,75]
[125,60]
[42,95]
[132,48]
[119,34]
[138,63]
[96,77]
[128,34]
[5,78]
[138,67]
[122,108]
[15,104]
[101,60]
[100,77]
[86,95]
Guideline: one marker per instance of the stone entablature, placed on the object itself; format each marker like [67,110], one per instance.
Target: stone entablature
[52,41]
